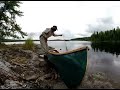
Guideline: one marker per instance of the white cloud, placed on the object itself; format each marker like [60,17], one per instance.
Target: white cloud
[102,24]
[71,17]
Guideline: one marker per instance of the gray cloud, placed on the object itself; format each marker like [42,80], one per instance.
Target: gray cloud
[102,24]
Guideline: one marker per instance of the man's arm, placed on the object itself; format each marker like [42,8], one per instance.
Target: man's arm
[57,34]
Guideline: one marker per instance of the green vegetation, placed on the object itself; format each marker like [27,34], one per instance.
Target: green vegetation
[29,45]
[111,35]
[8,25]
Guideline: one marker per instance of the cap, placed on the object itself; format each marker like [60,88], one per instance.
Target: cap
[54,27]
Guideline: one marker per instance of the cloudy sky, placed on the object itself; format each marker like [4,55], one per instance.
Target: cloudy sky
[73,18]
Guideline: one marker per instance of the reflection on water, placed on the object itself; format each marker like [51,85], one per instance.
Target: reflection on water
[105,57]
[102,57]
[111,47]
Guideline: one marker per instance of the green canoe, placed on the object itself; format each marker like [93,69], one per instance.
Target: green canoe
[70,65]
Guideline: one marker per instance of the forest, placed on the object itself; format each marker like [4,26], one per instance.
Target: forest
[108,35]
[112,35]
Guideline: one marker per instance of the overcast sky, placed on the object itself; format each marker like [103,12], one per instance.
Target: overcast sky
[73,18]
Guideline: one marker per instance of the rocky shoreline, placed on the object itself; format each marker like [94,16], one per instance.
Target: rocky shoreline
[26,69]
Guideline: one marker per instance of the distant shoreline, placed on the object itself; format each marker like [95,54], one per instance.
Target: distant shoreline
[33,40]
[57,40]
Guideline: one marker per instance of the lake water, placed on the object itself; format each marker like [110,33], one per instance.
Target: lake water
[102,57]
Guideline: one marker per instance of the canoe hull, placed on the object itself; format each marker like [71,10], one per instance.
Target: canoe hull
[70,66]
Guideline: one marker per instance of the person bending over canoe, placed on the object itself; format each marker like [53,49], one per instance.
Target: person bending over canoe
[43,40]
[48,32]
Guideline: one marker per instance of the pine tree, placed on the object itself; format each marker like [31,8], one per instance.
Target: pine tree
[8,25]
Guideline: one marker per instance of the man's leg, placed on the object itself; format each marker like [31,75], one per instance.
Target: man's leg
[44,44]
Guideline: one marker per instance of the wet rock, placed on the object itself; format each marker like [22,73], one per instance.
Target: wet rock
[99,84]
[96,81]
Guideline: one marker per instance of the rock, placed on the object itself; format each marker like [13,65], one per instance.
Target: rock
[97,80]
[30,75]
[46,76]
[10,84]
[60,85]
[35,73]
[6,71]
[42,62]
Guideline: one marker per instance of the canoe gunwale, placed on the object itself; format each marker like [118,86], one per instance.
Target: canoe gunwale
[68,52]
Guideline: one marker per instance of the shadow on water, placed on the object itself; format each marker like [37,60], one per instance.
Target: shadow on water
[110,47]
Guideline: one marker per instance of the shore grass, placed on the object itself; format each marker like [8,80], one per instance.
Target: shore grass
[29,44]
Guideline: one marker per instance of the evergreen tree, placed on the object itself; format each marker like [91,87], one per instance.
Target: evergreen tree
[8,25]
[109,35]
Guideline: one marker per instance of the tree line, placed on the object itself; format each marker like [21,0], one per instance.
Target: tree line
[109,35]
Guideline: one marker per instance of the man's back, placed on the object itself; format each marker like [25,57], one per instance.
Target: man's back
[47,33]
[46,30]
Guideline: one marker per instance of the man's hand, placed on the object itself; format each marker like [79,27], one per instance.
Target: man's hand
[61,35]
